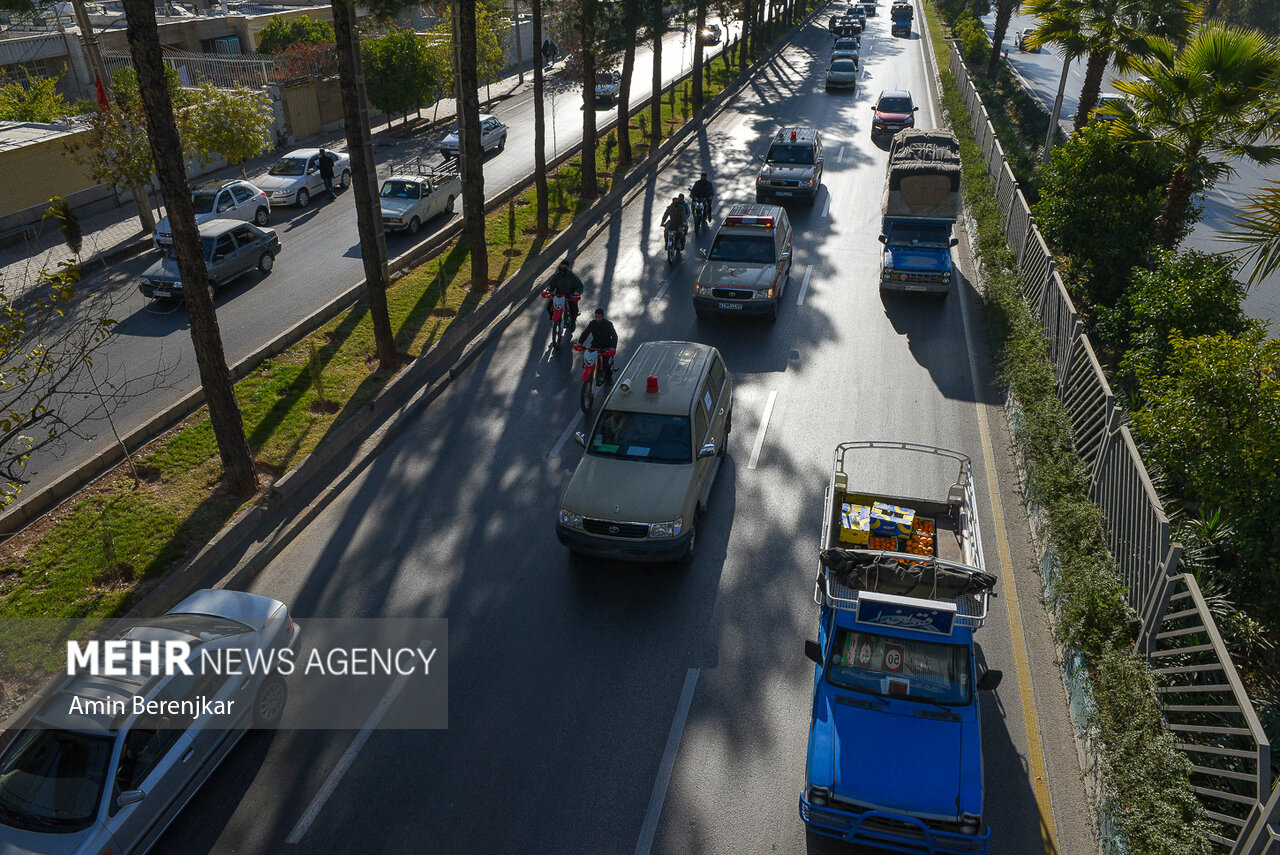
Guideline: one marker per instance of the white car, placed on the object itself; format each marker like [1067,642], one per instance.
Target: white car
[227,199]
[493,136]
[295,178]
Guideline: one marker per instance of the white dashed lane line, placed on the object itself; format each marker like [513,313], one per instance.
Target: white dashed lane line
[804,284]
[665,768]
[840,155]
[826,206]
[764,427]
[564,437]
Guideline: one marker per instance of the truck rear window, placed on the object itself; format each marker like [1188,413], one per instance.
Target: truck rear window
[909,668]
[755,249]
[653,437]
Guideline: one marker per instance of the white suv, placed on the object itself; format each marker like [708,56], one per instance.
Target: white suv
[749,265]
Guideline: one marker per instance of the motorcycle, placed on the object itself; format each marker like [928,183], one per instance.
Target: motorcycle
[674,241]
[590,377]
[559,315]
[701,214]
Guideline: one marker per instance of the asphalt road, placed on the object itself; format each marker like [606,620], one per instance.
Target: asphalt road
[1221,202]
[320,259]
[569,679]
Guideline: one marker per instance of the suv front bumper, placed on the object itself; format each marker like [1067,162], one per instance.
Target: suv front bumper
[624,549]
[765,192]
[891,832]
[739,307]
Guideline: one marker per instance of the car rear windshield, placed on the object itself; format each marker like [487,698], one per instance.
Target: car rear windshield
[203,627]
[843,65]
[894,105]
[846,44]
[642,436]
[289,166]
[203,202]
[52,780]
[894,667]
[399,190]
[756,249]
[791,154]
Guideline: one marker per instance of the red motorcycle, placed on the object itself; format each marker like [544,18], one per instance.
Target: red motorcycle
[559,314]
[590,377]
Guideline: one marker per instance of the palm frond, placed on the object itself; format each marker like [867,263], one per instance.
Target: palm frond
[1256,231]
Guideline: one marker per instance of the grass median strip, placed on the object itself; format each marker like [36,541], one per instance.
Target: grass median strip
[98,553]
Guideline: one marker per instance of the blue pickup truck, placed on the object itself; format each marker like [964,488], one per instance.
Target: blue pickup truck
[895,743]
[921,203]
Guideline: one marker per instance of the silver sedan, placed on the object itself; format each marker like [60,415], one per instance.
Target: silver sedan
[295,178]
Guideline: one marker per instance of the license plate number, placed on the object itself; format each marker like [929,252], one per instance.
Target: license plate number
[161,292]
[782,192]
[915,288]
[730,305]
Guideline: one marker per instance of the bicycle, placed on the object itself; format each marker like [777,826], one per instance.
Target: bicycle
[559,314]
[590,377]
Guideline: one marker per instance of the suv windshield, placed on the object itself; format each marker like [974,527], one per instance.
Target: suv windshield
[642,436]
[845,45]
[399,190]
[203,202]
[790,154]
[900,667]
[289,166]
[52,780]
[756,249]
[894,105]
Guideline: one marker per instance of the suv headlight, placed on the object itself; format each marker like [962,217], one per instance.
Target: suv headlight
[970,824]
[568,519]
[819,796]
[666,529]
[765,293]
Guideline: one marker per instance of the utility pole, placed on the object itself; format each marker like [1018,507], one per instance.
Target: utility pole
[1057,110]
[515,20]
[90,42]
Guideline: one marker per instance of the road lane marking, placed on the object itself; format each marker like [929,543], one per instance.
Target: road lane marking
[764,426]
[331,783]
[840,155]
[659,795]
[804,284]
[564,437]
[826,206]
[665,285]
[1035,751]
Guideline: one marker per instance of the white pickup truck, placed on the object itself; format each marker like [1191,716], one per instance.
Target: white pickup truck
[409,199]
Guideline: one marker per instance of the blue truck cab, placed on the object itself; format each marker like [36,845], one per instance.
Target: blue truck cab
[920,205]
[895,744]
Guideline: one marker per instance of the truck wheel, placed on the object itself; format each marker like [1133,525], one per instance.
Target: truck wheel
[448,205]
[260,216]
[413,225]
[266,262]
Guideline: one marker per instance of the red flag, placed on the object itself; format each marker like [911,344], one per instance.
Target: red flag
[102,94]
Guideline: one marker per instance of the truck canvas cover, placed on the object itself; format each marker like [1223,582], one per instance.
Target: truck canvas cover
[924,176]
[868,571]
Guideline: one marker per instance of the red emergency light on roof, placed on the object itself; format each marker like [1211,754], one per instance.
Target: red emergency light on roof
[651,386]
[793,136]
[740,220]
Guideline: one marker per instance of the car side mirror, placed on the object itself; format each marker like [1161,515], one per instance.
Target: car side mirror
[708,450]
[884,239]
[580,438]
[760,157]
[914,109]
[783,256]
[702,251]
[955,241]
[989,680]
[819,161]
[130,797]
[813,651]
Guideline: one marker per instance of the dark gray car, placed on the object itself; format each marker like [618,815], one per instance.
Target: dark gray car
[88,773]
[231,249]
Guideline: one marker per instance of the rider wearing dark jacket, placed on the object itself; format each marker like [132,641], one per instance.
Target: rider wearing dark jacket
[603,337]
[702,188]
[565,282]
[674,216]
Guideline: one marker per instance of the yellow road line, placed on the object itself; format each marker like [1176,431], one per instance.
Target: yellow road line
[1035,751]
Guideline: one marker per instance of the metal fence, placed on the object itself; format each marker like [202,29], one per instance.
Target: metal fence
[1203,703]
[194,69]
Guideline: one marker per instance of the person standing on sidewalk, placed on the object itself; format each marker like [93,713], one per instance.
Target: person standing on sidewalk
[548,51]
[326,172]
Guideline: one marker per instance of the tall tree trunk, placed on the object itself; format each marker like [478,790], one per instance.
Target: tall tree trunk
[1093,73]
[1004,11]
[624,93]
[470,151]
[744,41]
[589,184]
[539,126]
[655,97]
[142,201]
[166,150]
[1173,215]
[699,23]
[515,22]
[364,181]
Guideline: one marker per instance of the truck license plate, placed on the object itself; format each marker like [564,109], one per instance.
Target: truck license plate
[782,192]
[730,305]
[915,288]
[161,292]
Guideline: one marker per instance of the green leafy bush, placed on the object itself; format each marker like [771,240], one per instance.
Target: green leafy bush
[32,99]
[972,37]
[280,34]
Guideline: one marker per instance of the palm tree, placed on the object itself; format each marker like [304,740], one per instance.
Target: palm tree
[539,127]
[471,152]
[1004,11]
[1111,33]
[206,338]
[1206,102]
[364,179]
[1257,230]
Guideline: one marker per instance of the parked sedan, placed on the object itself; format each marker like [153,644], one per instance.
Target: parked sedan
[1021,39]
[226,199]
[231,249]
[710,34]
[493,136]
[90,772]
[295,178]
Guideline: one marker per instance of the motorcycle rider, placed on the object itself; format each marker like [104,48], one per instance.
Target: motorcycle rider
[675,217]
[703,189]
[564,282]
[603,337]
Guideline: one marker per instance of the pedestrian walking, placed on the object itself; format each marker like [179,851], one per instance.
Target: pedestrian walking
[326,172]
[548,51]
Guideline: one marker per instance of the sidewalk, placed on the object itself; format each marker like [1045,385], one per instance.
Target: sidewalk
[117,234]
